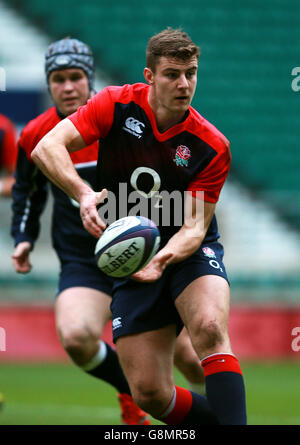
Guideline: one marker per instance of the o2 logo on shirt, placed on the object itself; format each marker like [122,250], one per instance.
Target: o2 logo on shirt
[156,184]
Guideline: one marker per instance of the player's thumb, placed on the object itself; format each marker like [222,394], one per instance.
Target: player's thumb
[100,196]
[165,259]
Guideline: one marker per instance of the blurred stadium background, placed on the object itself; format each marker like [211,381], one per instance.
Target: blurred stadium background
[249,50]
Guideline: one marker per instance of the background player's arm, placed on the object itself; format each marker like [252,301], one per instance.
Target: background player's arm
[198,215]
[51,155]
[29,197]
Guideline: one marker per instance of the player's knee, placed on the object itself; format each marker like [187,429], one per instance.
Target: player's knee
[75,339]
[151,398]
[208,334]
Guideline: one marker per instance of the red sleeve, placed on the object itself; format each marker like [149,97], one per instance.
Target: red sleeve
[212,178]
[94,120]
[9,152]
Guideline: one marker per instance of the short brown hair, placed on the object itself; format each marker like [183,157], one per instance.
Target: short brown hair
[170,43]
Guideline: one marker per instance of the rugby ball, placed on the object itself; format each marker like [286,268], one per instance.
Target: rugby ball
[126,246]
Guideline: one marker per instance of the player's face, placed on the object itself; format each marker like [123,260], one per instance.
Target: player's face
[173,85]
[69,89]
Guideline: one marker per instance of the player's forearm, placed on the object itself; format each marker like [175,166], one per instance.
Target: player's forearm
[54,161]
[198,215]
[184,243]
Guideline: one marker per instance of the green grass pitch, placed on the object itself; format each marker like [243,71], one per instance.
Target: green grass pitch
[61,394]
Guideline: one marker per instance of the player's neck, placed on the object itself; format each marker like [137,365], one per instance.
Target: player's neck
[164,121]
[164,117]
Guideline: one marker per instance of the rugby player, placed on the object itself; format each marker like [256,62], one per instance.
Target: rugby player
[83,297]
[187,276]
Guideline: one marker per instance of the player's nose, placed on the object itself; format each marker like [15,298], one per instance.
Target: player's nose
[68,85]
[183,82]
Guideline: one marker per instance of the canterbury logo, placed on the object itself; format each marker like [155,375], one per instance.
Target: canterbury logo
[116,323]
[134,127]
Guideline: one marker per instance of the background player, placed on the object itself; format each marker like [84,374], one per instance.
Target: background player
[199,291]
[8,155]
[82,306]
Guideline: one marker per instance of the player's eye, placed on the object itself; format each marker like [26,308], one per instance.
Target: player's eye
[171,75]
[190,74]
[58,79]
[76,77]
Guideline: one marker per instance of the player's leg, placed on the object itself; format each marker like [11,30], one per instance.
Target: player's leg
[147,360]
[82,310]
[145,323]
[188,363]
[81,314]
[204,309]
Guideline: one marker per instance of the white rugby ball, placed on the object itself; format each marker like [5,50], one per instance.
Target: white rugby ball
[126,246]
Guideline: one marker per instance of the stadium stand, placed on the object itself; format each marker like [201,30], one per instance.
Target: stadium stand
[244,75]
[244,87]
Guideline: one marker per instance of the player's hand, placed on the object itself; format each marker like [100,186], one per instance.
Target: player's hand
[6,185]
[89,214]
[154,270]
[20,257]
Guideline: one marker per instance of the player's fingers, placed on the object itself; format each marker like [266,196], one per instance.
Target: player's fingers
[92,226]
[20,256]
[166,258]
[146,276]
[22,250]
[21,265]
[100,196]
[97,222]
[92,222]
[23,269]
[143,277]
[90,217]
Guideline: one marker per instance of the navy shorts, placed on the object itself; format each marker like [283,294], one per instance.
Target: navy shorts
[83,275]
[140,307]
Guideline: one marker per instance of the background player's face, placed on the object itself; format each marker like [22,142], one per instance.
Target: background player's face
[173,84]
[69,89]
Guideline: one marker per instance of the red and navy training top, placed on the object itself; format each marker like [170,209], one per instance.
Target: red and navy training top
[69,238]
[134,156]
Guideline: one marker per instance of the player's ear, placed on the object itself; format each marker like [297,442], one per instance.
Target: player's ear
[148,75]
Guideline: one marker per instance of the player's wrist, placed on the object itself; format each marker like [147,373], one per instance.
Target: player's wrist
[182,247]
[83,192]
[25,245]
